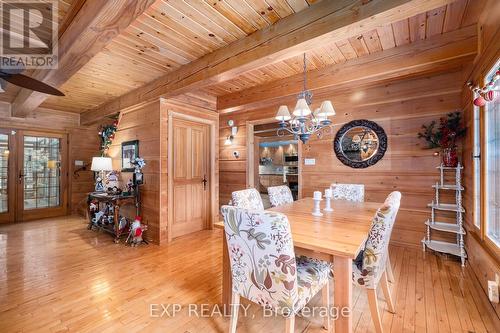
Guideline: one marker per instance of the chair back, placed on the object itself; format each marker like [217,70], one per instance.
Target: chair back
[247,199]
[279,195]
[377,244]
[262,257]
[350,192]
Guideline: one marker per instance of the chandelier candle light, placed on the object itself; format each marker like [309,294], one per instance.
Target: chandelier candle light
[317,199]
[304,123]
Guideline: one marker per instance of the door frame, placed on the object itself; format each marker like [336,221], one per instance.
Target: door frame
[32,214]
[252,160]
[213,209]
[10,216]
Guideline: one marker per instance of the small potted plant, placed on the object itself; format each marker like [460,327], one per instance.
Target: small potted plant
[445,136]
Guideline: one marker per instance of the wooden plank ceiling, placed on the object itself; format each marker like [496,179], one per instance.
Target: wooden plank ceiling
[448,18]
[172,33]
[169,34]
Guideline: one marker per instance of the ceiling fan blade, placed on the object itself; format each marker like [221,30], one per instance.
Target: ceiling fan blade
[30,83]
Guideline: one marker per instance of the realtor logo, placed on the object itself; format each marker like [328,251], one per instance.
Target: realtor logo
[29,34]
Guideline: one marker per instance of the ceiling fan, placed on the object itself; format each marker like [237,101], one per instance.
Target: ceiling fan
[15,77]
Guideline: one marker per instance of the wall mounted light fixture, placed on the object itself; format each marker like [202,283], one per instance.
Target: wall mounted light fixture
[234,131]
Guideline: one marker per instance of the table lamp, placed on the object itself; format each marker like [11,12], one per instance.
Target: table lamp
[101,164]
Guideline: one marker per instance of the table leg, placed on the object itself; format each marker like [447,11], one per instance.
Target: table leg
[227,283]
[342,272]
[116,220]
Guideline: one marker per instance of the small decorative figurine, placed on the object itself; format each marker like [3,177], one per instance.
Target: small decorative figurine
[99,186]
[136,231]
[113,179]
[123,224]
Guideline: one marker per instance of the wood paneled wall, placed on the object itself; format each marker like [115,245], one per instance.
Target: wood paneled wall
[149,124]
[143,124]
[483,261]
[84,144]
[400,107]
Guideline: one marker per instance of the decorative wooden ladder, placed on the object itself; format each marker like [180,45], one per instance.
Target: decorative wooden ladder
[457,248]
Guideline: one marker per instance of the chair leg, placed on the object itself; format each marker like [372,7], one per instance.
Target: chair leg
[388,269]
[235,307]
[290,324]
[387,292]
[372,301]
[325,292]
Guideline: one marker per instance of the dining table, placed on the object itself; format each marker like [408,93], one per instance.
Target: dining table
[337,236]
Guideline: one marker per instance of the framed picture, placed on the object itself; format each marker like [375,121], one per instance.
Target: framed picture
[130,150]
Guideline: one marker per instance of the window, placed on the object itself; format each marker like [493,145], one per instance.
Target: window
[476,153]
[492,160]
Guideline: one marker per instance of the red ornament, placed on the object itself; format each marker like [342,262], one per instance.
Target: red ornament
[138,218]
[479,101]
[491,95]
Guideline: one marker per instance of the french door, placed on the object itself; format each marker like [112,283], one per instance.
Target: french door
[33,175]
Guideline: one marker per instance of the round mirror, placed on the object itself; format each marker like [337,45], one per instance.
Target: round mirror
[360,143]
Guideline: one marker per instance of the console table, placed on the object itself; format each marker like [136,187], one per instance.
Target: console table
[116,201]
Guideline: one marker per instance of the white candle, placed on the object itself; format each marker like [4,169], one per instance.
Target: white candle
[328,193]
[317,195]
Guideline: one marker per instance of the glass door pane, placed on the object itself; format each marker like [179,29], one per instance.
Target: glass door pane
[42,162]
[4,173]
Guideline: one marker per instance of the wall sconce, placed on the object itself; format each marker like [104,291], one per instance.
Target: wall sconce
[234,131]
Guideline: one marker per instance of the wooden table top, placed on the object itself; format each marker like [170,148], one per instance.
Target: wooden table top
[342,232]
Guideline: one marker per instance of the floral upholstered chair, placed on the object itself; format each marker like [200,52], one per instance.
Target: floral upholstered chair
[279,195]
[350,192]
[248,199]
[264,268]
[370,267]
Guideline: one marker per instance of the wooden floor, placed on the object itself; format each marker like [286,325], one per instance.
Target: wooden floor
[58,276]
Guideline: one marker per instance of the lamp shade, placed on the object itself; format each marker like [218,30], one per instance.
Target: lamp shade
[101,164]
[326,109]
[283,113]
[301,108]
[318,116]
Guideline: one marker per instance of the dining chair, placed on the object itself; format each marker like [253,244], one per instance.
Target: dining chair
[351,192]
[264,267]
[370,267]
[248,199]
[279,195]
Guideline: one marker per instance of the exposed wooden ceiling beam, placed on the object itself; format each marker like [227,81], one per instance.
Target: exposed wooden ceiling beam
[324,22]
[94,25]
[442,51]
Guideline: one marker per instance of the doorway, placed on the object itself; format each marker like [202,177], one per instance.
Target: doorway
[33,172]
[191,185]
[272,159]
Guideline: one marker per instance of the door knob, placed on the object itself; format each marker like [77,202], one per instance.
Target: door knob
[204,181]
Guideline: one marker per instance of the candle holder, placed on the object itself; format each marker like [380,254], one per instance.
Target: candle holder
[317,209]
[328,207]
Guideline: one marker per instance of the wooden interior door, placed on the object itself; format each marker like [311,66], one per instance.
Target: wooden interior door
[7,176]
[191,192]
[41,175]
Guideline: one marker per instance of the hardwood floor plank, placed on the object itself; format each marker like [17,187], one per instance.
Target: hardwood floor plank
[58,276]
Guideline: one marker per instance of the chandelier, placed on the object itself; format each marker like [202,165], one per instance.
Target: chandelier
[303,123]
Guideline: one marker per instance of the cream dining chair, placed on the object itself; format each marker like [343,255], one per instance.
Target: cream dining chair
[248,199]
[264,267]
[350,192]
[356,193]
[370,267]
[279,195]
